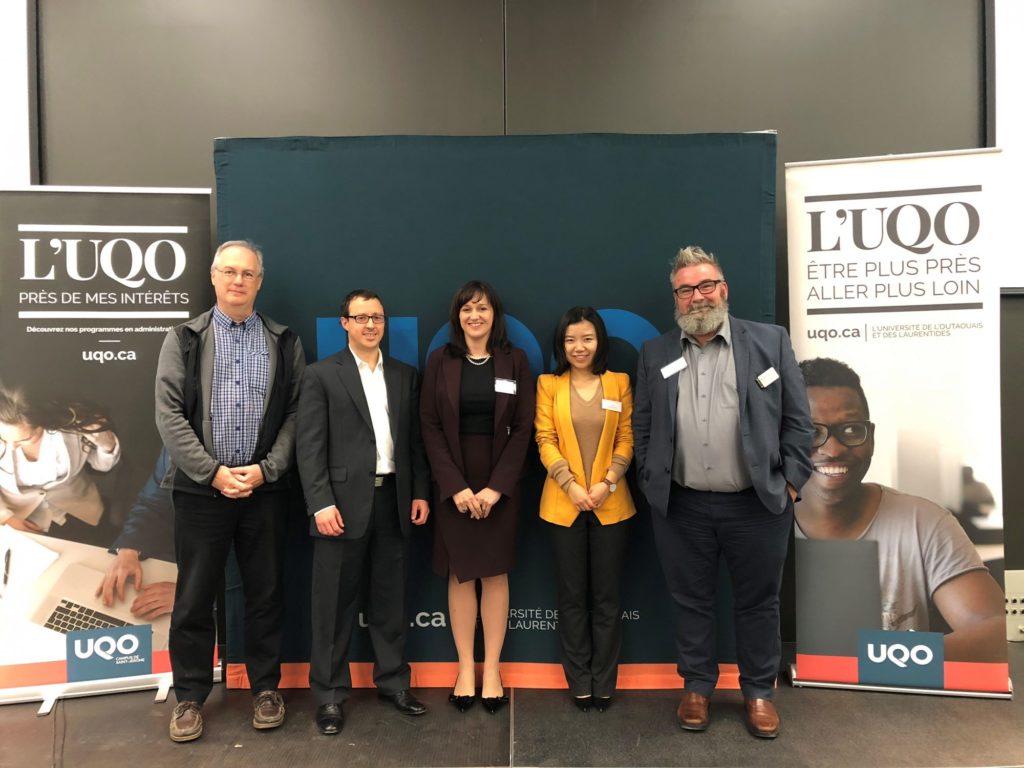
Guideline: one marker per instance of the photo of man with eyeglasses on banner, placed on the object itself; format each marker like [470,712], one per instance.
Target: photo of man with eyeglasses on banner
[926,560]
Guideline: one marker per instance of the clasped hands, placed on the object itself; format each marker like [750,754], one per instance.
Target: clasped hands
[585,500]
[237,482]
[478,505]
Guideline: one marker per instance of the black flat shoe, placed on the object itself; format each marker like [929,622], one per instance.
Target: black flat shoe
[493,703]
[601,703]
[405,702]
[329,719]
[583,703]
[461,703]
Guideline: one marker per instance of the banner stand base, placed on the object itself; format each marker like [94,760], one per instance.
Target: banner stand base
[49,694]
[798,683]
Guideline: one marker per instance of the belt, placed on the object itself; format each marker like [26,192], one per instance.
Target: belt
[379,480]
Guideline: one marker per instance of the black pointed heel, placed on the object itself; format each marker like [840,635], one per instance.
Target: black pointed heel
[583,703]
[461,703]
[493,703]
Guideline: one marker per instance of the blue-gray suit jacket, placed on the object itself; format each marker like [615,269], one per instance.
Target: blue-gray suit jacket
[775,422]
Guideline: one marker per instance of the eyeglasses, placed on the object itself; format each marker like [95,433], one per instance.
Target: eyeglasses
[364,319]
[247,274]
[706,288]
[850,433]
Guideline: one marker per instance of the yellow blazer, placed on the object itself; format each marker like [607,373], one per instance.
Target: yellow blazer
[556,440]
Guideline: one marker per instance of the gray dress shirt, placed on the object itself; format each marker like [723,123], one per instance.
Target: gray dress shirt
[708,452]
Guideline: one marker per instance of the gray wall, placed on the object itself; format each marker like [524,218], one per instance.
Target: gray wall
[133,92]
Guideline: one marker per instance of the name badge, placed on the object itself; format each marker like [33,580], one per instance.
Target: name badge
[612,405]
[767,378]
[672,368]
[505,386]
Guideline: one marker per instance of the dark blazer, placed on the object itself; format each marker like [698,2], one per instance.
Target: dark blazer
[513,421]
[335,445]
[775,422]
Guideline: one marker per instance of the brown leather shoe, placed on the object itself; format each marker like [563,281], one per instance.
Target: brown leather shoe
[267,710]
[761,717]
[693,712]
[186,721]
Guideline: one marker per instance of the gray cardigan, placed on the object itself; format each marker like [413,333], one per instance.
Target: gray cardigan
[194,457]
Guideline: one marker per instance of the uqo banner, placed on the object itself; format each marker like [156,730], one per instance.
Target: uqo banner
[894,313]
[90,281]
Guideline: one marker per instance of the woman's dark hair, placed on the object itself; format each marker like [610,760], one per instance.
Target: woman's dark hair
[498,340]
[16,408]
[579,315]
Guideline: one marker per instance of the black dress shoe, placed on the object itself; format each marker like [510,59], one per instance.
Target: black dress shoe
[583,703]
[493,703]
[461,703]
[329,719]
[601,703]
[405,702]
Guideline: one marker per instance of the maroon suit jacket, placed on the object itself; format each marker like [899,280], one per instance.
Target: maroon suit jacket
[439,421]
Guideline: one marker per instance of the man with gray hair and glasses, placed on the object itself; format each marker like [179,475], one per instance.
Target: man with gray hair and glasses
[722,434]
[227,388]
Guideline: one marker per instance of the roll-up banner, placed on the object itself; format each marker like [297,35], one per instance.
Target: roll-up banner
[90,281]
[894,268]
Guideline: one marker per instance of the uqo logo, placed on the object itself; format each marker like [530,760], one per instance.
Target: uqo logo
[900,654]
[900,658]
[105,646]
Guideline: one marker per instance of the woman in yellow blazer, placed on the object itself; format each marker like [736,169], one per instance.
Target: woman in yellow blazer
[585,437]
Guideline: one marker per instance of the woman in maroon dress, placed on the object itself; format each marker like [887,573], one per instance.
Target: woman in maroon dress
[476,410]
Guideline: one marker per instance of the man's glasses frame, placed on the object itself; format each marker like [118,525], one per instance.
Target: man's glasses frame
[849,433]
[704,287]
[230,274]
[364,319]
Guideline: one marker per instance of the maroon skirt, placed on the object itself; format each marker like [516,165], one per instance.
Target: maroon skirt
[474,549]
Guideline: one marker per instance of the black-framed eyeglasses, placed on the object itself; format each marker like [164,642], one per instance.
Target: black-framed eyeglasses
[364,319]
[705,287]
[849,433]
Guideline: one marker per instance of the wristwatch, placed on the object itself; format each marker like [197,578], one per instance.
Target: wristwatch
[611,486]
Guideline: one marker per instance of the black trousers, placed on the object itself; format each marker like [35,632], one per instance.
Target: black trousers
[340,569]
[204,529]
[588,561]
[699,527]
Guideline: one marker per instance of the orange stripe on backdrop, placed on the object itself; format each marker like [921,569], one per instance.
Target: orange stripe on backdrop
[36,673]
[976,676]
[438,674]
[827,669]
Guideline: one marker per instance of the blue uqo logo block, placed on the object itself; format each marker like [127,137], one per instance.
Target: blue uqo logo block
[906,659]
[96,654]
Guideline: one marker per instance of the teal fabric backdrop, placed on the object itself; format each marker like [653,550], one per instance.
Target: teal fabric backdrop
[550,221]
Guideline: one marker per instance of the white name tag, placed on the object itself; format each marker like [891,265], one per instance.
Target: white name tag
[506,386]
[612,405]
[767,378]
[672,368]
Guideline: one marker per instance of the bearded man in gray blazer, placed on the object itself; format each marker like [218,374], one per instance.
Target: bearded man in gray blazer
[723,434]
[366,481]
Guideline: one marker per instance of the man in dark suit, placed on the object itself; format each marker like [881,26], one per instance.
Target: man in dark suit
[365,477]
[723,434]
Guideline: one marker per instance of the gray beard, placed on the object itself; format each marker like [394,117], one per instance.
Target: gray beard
[703,323]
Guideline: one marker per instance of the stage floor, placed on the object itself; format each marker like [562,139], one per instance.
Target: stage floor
[540,728]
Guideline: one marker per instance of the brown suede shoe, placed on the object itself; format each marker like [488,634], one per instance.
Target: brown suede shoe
[186,721]
[761,717]
[267,710]
[693,712]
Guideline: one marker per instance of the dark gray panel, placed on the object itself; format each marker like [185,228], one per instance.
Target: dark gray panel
[135,91]
[1012,359]
[836,79]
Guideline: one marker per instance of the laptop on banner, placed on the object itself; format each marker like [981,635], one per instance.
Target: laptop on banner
[837,595]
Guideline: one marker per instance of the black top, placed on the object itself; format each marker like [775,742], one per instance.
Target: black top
[476,399]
